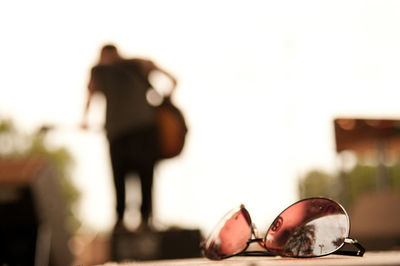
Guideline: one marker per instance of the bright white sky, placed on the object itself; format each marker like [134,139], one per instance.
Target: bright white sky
[259,81]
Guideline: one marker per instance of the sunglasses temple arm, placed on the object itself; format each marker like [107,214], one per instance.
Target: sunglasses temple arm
[256,253]
[359,252]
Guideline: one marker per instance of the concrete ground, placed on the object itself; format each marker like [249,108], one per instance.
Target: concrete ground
[369,259]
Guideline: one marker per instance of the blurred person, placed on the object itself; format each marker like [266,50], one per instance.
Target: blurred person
[130,124]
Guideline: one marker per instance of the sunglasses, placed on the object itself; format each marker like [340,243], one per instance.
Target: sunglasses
[311,227]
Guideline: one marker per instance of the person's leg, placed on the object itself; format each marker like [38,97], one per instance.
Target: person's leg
[147,173]
[119,183]
[146,179]
[143,150]
[119,173]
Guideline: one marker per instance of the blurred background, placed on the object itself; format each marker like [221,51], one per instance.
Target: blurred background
[260,84]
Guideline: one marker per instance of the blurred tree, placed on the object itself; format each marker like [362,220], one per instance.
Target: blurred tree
[316,183]
[360,179]
[16,144]
[394,173]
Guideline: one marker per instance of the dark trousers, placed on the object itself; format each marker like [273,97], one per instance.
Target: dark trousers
[134,152]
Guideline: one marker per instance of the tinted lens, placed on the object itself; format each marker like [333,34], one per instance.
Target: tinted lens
[230,235]
[308,228]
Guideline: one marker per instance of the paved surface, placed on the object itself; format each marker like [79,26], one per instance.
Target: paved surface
[369,259]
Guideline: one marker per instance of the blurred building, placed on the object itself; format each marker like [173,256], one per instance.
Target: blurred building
[375,221]
[375,216]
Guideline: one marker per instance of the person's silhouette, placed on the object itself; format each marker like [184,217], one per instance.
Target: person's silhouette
[130,123]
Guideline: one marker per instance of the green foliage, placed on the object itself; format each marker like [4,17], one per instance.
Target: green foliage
[316,183]
[348,186]
[361,179]
[6,126]
[394,173]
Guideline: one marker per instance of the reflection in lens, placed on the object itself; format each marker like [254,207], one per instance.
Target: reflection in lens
[308,228]
[230,236]
[301,242]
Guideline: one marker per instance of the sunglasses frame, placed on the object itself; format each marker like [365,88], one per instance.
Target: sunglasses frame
[253,238]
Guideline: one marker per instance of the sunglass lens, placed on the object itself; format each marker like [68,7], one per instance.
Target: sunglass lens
[230,236]
[309,228]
